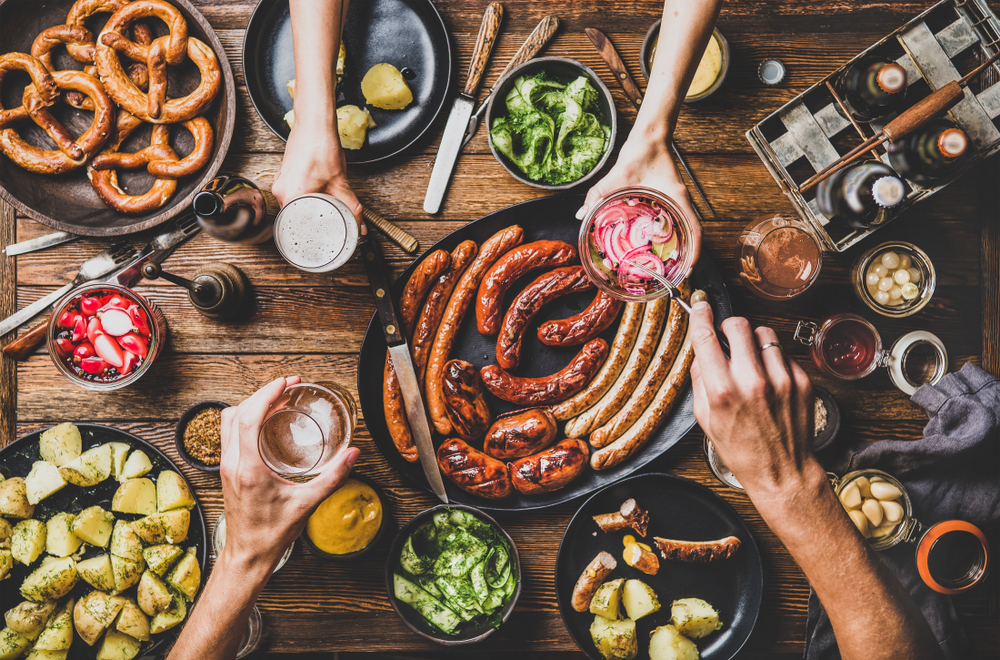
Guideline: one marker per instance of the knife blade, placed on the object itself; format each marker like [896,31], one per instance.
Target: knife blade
[535,42]
[461,111]
[39,243]
[413,401]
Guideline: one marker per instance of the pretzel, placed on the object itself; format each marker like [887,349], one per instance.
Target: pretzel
[40,77]
[201,130]
[105,181]
[72,152]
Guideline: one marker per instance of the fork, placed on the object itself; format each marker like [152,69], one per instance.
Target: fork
[97,266]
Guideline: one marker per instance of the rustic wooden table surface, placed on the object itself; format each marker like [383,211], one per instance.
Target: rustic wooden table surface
[312,325]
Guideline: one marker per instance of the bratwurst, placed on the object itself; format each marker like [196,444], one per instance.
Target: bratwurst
[547,389]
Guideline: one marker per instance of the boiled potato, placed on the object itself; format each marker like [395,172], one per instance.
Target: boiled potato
[161,558]
[43,480]
[607,599]
[125,543]
[126,572]
[153,594]
[615,640]
[58,633]
[118,646]
[135,466]
[96,463]
[341,61]
[87,625]
[5,531]
[14,499]
[667,643]
[60,444]
[166,527]
[6,562]
[186,576]
[135,496]
[172,492]
[290,118]
[352,125]
[170,618]
[94,526]
[639,599]
[119,452]
[39,654]
[694,617]
[384,87]
[103,607]
[50,581]
[133,622]
[97,572]
[29,618]
[12,644]
[60,541]
[28,541]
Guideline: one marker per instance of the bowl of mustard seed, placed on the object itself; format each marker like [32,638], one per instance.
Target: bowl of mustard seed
[198,435]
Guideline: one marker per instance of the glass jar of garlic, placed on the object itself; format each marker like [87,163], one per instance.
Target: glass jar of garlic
[878,505]
[895,279]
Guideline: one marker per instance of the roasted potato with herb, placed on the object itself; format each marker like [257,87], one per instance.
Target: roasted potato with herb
[118,646]
[14,499]
[89,468]
[607,599]
[58,632]
[60,444]
[125,543]
[352,125]
[639,599]
[94,526]
[172,492]
[153,594]
[135,496]
[667,643]
[694,617]
[384,87]
[132,621]
[12,644]
[166,527]
[186,576]
[170,618]
[27,541]
[50,581]
[119,453]
[161,558]
[127,573]
[60,541]
[136,465]
[97,572]
[43,480]
[614,639]
[28,619]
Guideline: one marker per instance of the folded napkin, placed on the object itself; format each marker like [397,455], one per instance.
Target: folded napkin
[949,474]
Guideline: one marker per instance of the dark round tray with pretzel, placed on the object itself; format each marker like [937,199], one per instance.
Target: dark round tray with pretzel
[67,201]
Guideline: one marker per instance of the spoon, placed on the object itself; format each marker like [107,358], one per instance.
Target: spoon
[664,282]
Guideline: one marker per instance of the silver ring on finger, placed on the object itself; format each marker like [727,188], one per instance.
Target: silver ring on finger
[770,344]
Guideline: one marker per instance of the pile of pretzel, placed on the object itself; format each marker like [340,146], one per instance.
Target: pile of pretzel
[122,99]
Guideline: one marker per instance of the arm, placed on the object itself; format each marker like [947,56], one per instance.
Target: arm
[757,408]
[314,159]
[264,515]
[645,158]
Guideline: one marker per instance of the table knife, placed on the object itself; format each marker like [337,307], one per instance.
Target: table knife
[614,62]
[461,111]
[39,243]
[413,400]
[535,42]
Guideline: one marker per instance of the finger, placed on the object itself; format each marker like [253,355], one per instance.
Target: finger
[593,196]
[225,427]
[331,477]
[701,409]
[743,351]
[774,361]
[712,361]
[688,207]
[254,410]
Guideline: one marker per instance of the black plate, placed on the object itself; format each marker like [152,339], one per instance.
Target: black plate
[405,33]
[15,461]
[680,509]
[545,218]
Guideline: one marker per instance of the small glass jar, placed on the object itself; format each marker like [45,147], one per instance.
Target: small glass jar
[251,636]
[71,301]
[778,257]
[219,542]
[902,264]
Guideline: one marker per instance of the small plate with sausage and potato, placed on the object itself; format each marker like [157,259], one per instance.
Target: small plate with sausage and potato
[540,388]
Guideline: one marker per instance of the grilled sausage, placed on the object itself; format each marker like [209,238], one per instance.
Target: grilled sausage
[547,389]
[591,579]
[581,328]
[521,434]
[463,400]
[506,271]
[395,415]
[697,551]
[551,469]
[621,347]
[454,313]
[545,288]
[630,514]
[473,471]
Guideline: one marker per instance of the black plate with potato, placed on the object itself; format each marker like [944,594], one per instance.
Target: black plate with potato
[678,509]
[16,460]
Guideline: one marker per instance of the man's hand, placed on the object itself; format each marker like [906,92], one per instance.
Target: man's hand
[265,513]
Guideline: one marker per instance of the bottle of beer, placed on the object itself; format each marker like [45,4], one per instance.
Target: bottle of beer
[872,88]
[931,153]
[861,196]
[235,209]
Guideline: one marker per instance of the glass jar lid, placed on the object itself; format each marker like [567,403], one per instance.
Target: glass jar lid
[915,359]
[952,556]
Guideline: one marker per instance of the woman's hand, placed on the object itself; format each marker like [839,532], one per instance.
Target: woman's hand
[265,513]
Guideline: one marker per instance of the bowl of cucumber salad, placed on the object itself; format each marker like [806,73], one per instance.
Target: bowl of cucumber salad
[453,574]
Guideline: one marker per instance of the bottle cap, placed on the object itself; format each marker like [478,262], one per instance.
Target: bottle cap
[953,142]
[888,191]
[892,78]
[771,72]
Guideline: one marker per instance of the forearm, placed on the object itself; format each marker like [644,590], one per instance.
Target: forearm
[871,613]
[316,31]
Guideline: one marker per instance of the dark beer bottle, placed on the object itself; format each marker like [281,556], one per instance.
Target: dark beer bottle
[929,154]
[872,88]
[862,195]
[235,209]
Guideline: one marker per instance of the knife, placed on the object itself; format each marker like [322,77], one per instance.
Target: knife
[614,62]
[39,243]
[389,318]
[461,111]
[535,42]
[156,251]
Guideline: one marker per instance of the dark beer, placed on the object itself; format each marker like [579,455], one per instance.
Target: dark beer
[873,88]
[930,154]
[861,196]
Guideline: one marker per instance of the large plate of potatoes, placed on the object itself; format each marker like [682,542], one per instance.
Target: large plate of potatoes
[102,545]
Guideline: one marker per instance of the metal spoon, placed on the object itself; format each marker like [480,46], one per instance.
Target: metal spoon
[664,282]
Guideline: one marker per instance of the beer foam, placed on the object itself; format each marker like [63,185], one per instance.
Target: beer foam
[314,233]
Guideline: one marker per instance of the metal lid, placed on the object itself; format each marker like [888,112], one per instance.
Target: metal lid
[953,142]
[888,191]
[892,78]
[929,547]
[904,362]
[771,71]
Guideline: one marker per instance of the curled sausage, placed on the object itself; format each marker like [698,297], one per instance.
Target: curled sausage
[463,399]
[506,271]
[551,469]
[629,514]
[591,579]
[547,389]
[581,328]
[521,434]
[697,551]
[544,289]
[472,470]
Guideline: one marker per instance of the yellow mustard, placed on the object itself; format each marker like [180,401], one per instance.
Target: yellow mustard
[708,68]
[347,521]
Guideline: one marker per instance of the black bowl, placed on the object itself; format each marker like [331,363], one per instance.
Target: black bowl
[647,45]
[350,556]
[410,617]
[564,70]
[825,437]
[179,434]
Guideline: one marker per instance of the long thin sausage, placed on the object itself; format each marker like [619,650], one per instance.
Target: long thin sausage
[547,389]
[581,328]
[495,247]
[697,551]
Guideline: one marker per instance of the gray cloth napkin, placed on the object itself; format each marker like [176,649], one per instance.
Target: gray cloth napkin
[952,473]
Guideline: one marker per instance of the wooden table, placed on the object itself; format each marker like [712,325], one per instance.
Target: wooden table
[309,325]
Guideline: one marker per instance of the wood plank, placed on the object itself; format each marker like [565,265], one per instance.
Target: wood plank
[8,305]
[990,262]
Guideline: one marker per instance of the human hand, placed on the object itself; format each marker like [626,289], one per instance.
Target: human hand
[756,408]
[265,513]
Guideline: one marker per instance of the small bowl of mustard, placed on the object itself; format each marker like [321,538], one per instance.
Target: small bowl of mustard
[349,523]
[712,69]
[198,435]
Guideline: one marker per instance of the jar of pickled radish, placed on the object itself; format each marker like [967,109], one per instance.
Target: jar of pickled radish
[895,279]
